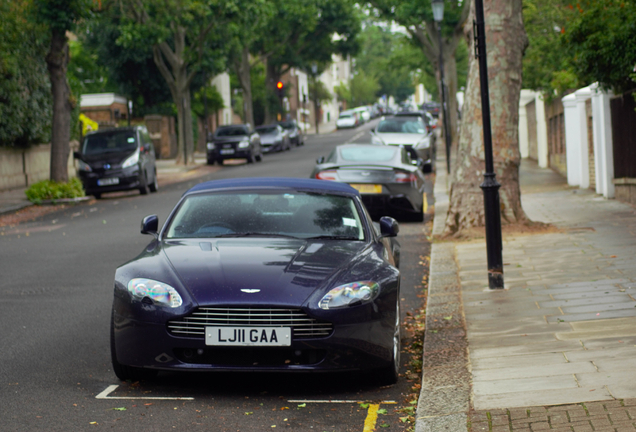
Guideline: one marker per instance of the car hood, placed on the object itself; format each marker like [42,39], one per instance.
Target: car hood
[270,138]
[101,159]
[232,139]
[400,138]
[286,271]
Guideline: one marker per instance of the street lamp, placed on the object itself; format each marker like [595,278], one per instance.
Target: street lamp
[490,186]
[438,16]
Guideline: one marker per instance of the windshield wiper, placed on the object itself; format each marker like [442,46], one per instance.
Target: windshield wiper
[254,234]
[332,237]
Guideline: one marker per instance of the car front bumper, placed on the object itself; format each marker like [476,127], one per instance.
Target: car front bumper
[127,179]
[365,345]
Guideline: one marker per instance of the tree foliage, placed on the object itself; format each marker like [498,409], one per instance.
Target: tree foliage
[25,92]
[602,38]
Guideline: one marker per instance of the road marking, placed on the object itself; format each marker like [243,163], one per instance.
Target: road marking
[340,401]
[372,418]
[112,388]
[425,204]
[355,137]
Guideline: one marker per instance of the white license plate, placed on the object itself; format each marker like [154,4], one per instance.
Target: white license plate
[227,151]
[108,181]
[248,336]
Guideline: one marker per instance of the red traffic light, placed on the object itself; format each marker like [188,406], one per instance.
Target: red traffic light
[279,85]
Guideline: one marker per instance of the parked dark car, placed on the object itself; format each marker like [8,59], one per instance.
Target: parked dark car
[260,274]
[234,142]
[296,136]
[274,138]
[432,107]
[118,159]
[387,178]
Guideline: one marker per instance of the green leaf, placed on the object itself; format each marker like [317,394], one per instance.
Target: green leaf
[119,409]
[382,411]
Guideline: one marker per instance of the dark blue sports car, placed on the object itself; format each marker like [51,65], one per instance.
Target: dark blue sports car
[261,274]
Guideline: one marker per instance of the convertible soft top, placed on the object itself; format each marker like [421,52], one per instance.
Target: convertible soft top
[275,183]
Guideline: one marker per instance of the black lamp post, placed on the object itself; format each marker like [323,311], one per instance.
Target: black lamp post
[438,16]
[490,186]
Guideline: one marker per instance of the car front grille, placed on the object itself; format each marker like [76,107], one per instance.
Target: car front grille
[303,326]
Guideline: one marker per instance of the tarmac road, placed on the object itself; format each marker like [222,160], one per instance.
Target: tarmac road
[56,291]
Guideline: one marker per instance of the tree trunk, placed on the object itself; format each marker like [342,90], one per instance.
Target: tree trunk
[178,80]
[506,42]
[450,74]
[271,78]
[57,61]
[243,71]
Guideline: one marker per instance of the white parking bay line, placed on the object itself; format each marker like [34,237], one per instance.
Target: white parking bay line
[112,388]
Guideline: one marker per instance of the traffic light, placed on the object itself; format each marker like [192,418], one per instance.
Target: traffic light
[280,89]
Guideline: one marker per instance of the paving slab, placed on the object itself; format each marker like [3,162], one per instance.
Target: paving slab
[498,387]
[519,360]
[541,397]
[544,370]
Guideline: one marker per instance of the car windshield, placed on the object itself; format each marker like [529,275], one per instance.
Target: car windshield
[345,116]
[267,129]
[231,131]
[287,125]
[368,154]
[401,125]
[109,142]
[268,214]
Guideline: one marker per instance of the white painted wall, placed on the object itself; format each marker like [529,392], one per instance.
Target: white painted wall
[542,132]
[603,144]
[572,138]
[222,84]
[526,97]
[582,95]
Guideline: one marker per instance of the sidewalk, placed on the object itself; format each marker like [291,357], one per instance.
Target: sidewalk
[555,350]
[167,172]
[323,128]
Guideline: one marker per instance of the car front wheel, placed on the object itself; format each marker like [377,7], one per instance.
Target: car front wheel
[390,374]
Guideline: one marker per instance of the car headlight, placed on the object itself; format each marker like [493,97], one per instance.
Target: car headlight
[83,166]
[376,140]
[210,146]
[244,144]
[158,292]
[425,143]
[132,160]
[349,294]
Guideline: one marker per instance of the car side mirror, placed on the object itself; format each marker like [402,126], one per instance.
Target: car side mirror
[372,130]
[389,227]
[150,225]
[320,160]
[77,155]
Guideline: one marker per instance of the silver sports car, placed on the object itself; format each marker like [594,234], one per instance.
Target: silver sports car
[410,132]
[387,178]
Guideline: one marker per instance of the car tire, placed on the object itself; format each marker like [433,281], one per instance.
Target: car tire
[210,161]
[219,161]
[390,374]
[124,372]
[97,195]
[154,186]
[259,157]
[143,189]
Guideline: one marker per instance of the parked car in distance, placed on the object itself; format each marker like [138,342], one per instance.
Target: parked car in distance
[261,275]
[347,119]
[232,142]
[363,114]
[386,177]
[117,159]
[296,136]
[429,121]
[273,138]
[410,132]
[431,107]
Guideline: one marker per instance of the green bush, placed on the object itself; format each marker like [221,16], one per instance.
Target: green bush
[50,190]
